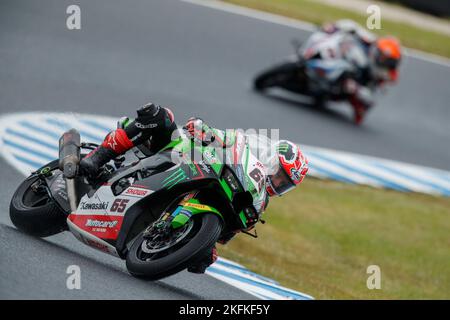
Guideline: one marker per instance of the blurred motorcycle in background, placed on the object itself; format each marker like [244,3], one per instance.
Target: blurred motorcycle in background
[332,66]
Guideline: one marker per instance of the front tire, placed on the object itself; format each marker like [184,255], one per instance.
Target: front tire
[201,237]
[35,212]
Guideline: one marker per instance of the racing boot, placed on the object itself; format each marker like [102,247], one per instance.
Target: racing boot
[359,113]
[359,110]
[115,143]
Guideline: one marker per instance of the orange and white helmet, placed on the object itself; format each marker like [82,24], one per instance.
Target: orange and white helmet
[288,168]
[387,55]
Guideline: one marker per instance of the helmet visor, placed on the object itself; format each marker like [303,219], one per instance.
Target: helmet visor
[387,62]
[280,181]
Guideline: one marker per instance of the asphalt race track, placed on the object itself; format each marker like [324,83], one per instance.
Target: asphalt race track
[201,62]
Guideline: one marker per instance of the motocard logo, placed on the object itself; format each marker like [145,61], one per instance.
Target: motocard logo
[100,224]
[136,192]
[94,206]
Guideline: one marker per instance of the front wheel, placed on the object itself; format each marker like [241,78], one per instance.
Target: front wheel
[157,256]
[33,211]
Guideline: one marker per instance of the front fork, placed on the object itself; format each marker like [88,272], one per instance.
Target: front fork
[188,207]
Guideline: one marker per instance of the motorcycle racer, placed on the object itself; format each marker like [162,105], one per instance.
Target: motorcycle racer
[375,60]
[349,26]
[153,129]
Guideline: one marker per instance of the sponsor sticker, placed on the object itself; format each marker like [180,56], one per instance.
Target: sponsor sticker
[97,245]
[197,206]
[94,205]
[186,212]
[210,157]
[145,126]
[204,166]
[100,223]
[136,192]
[295,174]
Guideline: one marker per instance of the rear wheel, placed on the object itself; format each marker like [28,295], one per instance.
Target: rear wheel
[156,256]
[32,209]
[278,76]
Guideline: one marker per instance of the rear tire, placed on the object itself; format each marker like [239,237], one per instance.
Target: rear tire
[276,76]
[42,219]
[204,235]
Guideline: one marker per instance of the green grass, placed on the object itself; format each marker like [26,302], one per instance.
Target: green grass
[321,238]
[318,13]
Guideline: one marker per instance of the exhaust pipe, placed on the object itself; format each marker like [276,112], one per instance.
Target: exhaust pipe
[69,159]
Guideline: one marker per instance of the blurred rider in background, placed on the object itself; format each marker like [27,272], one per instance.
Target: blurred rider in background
[376,60]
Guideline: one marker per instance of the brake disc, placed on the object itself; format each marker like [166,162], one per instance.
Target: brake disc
[158,242]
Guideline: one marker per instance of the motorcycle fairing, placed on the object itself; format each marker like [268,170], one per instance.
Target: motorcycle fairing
[186,209]
[102,214]
[91,240]
[106,217]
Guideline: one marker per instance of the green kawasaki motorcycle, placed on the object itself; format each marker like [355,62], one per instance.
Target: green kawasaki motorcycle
[160,212]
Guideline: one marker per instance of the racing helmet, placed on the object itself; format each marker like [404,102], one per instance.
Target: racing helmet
[387,55]
[287,168]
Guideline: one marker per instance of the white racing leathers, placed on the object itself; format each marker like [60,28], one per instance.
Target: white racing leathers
[337,63]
